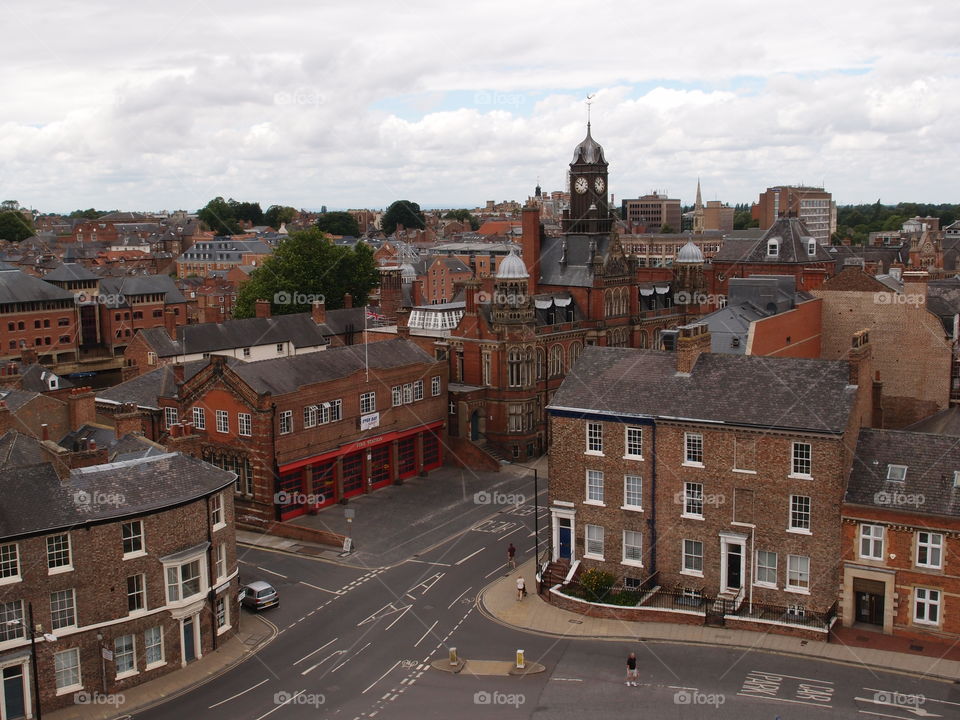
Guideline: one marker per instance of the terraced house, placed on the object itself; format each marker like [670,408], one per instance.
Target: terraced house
[711,482]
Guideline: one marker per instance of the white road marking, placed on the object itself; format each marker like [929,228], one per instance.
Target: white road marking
[315,651]
[459,596]
[403,612]
[317,587]
[513,531]
[494,571]
[426,584]
[287,702]
[460,562]
[271,572]
[417,643]
[382,676]
[428,562]
[786,700]
[232,697]
[350,658]
[568,679]
[314,667]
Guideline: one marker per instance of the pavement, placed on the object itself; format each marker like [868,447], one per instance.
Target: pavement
[498,601]
[254,633]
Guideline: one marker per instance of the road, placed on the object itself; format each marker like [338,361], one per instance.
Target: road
[357,643]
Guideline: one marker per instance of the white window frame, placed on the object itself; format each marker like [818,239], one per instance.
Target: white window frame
[594,431]
[199,418]
[73,668]
[244,424]
[223,421]
[396,395]
[692,497]
[117,654]
[796,575]
[63,567]
[141,593]
[310,416]
[435,386]
[633,444]
[13,559]
[67,601]
[418,390]
[595,488]
[693,449]
[929,599]
[589,542]
[170,417]
[636,547]
[174,583]
[798,461]
[139,551]
[12,621]
[221,620]
[407,393]
[221,561]
[688,552]
[766,568]
[286,422]
[931,547]
[896,473]
[216,511]
[368,402]
[627,505]
[870,537]
[796,512]
[148,645]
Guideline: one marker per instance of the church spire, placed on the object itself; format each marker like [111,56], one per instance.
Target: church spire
[698,212]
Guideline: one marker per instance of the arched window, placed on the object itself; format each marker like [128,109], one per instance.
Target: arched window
[575,349]
[607,303]
[556,360]
[773,247]
[644,340]
[514,368]
[540,363]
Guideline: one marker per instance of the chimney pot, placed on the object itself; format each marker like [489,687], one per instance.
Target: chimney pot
[45,431]
[263,309]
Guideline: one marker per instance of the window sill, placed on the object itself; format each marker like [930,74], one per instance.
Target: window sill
[765,586]
[594,453]
[133,555]
[796,591]
[744,472]
[219,526]
[69,689]
[691,517]
[799,531]
[862,558]
[688,463]
[692,573]
[920,567]
[632,508]
[799,476]
[59,570]
[633,457]
[10,580]
[926,623]
[126,674]
[222,630]
[152,666]
[591,556]
[595,503]
[137,613]
[632,563]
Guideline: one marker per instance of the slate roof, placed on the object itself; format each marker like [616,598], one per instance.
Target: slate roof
[299,328]
[931,461]
[36,378]
[793,234]
[945,422]
[16,399]
[16,286]
[753,391]
[131,447]
[70,271]
[36,501]
[144,390]
[19,450]
[886,255]
[130,285]
[576,271]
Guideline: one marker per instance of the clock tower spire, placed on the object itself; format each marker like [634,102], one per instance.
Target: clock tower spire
[589,208]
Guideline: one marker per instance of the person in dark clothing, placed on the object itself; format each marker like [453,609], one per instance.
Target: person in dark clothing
[632,669]
[511,557]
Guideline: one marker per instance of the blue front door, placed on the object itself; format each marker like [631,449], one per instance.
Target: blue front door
[13,694]
[564,533]
[189,651]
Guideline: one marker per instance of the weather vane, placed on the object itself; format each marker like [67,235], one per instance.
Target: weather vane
[589,102]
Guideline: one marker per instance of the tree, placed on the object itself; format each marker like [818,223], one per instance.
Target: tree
[218,216]
[339,223]
[305,267]
[15,226]
[402,212]
[276,215]
[666,229]
[9,205]
[88,214]
[463,215]
[247,211]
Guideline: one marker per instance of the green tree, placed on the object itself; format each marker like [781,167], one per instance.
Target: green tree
[9,205]
[276,215]
[339,223]
[15,226]
[218,216]
[742,220]
[307,266]
[666,229]
[402,212]
[463,215]
[88,214]
[247,211]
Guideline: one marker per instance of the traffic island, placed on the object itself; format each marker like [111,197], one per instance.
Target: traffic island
[503,668]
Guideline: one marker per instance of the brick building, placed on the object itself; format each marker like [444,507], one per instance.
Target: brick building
[901,536]
[136,557]
[36,316]
[651,212]
[221,253]
[713,478]
[813,205]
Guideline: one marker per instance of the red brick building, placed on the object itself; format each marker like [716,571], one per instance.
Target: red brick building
[901,536]
[137,558]
[38,317]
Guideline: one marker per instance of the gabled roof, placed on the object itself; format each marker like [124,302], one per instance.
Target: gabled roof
[299,329]
[793,236]
[35,501]
[931,461]
[765,392]
[19,450]
[119,288]
[70,271]
[16,399]
[36,378]
[17,286]
[144,390]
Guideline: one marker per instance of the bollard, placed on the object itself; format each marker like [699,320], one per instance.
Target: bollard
[454,660]
[520,663]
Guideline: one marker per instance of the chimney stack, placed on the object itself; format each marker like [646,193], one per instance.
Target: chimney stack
[263,308]
[127,421]
[81,408]
[860,359]
[170,323]
[319,312]
[530,242]
[403,320]
[44,432]
[347,300]
[691,342]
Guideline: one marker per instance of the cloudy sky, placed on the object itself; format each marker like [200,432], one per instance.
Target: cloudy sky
[166,104]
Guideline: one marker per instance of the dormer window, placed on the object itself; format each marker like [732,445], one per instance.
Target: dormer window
[896,473]
[812,248]
[773,247]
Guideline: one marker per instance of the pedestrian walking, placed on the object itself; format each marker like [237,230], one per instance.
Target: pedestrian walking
[511,557]
[521,588]
[632,669]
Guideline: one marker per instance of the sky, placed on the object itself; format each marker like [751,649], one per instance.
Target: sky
[164,105]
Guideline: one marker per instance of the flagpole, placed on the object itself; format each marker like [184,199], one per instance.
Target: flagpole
[366,363]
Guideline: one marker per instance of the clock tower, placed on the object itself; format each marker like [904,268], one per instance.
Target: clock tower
[589,210]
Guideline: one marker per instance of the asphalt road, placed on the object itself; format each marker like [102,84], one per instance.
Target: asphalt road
[357,643]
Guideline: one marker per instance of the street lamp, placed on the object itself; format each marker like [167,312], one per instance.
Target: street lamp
[536,515]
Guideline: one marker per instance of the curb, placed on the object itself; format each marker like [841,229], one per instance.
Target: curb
[482,609]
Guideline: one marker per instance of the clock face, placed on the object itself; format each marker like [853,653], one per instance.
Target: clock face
[581,185]
[598,184]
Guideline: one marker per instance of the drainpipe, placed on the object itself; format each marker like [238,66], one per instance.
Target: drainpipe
[211,567]
[653,498]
